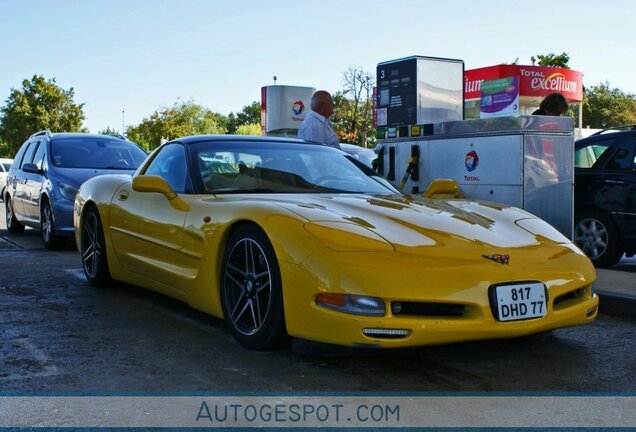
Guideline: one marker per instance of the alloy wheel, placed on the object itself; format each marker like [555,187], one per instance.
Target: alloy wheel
[592,237]
[10,216]
[91,246]
[47,223]
[248,283]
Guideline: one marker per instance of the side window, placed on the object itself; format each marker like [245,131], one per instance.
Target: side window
[594,154]
[171,164]
[619,158]
[40,153]
[17,161]
[28,156]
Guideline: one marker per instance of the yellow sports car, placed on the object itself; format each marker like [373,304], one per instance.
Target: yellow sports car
[284,238]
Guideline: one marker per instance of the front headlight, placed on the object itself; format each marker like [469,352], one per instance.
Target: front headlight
[347,237]
[539,227]
[352,304]
[67,191]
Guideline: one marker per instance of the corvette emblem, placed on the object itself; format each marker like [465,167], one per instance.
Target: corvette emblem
[501,259]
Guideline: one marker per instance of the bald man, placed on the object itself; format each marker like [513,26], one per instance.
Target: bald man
[317,126]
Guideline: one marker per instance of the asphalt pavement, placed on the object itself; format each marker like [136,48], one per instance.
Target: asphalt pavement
[616,287]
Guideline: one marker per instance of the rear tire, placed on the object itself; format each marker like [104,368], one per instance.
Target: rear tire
[13,226]
[51,240]
[251,290]
[597,236]
[93,249]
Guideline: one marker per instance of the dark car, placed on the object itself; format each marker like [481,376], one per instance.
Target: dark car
[605,195]
[48,170]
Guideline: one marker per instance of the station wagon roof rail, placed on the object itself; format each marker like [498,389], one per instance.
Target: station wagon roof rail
[42,132]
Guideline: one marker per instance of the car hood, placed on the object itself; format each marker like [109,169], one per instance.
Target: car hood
[77,176]
[420,222]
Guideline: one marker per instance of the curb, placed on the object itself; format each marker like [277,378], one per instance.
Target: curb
[623,305]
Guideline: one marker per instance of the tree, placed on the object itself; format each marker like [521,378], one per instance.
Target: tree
[552,59]
[250,114]
[109,131]
[604,107]
[249,129]
[353,114]
[181,119]
[40,104]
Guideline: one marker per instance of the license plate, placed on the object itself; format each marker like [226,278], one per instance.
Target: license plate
[520,301]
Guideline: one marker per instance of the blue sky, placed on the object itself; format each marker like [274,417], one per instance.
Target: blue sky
[141,55]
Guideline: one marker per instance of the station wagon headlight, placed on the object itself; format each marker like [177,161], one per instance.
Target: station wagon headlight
[67,191]
[352,304]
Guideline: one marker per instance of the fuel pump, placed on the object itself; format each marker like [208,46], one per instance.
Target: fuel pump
[412,170]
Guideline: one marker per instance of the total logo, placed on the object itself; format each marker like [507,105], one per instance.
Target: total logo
[471,160]
[298,107]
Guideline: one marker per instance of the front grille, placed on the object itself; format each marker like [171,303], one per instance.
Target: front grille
[428,309]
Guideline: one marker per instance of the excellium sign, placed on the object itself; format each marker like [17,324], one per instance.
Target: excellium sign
[534,81]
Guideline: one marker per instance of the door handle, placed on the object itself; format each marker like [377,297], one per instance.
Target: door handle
[123,195]
[614,181]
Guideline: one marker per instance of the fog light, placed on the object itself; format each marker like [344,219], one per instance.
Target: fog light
[356,305]
[386,333]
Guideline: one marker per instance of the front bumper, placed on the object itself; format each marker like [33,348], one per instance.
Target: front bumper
[63,217]
[571,300]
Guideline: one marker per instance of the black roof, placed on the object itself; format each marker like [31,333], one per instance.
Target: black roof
[249,138]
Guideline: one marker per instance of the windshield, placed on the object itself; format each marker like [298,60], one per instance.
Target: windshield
[96,153]
[6,166]
[278,167]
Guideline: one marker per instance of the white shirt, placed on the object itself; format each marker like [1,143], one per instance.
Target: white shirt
[317,128]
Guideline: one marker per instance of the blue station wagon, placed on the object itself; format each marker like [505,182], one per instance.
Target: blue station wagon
[48,170]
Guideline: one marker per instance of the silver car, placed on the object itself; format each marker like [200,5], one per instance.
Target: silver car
[5,164]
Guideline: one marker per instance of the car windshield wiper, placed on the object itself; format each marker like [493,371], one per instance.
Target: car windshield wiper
[118,167]
[241,191]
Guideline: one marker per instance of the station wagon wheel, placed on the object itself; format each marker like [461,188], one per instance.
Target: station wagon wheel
[47,227]
[13,226]
[596,235]
[251,293]
[93,250]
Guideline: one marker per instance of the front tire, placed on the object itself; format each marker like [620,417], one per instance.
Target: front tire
[251,292]
[13,226]
[93,249]
[597,236]
[50,239]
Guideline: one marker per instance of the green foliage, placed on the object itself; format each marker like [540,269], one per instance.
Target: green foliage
[250,114]
[109,131]
[604,107]
[353,113]
[249,129]
[40,104]
[181,119]
[5,152]
[551,59]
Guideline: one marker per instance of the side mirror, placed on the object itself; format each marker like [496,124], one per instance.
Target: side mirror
[31,168]
[157,184]
[443,188]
